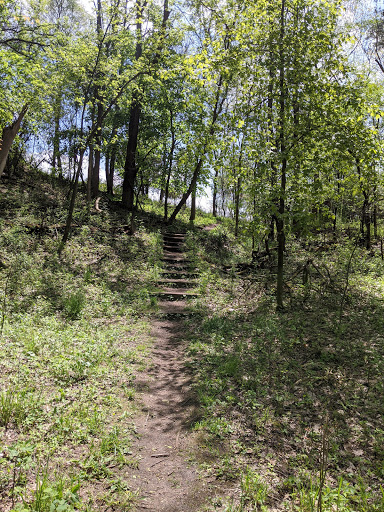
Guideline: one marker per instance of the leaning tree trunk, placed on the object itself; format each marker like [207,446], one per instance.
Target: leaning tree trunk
[185,196]
[8,136]
[72,202]
[219,103]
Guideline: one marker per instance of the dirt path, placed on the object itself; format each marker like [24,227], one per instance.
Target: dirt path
[166,479]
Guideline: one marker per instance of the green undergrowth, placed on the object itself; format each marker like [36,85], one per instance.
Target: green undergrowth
[74,337]
[292,402]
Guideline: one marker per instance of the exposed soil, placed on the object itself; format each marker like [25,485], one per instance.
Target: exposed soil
[166,478]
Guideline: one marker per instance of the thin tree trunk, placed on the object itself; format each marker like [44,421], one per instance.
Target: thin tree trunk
[216,112]
[90,167]
[8,136]
[271,233]
[107,169]
[170,164]
[283,177]
[95,181]
[237,205]
[192,217]
[366,221]
[56,160]
[111,175]
[185,196]
[95,174]
[214,195]
[72,203]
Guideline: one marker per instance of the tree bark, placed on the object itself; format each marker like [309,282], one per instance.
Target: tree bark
[95,179]
[56,159]
[95,174]
[8,136]
[192,216]
[130,167]
[170,164]
[89,179]
[72,203]
[237,205]
[283,176]
[214,194]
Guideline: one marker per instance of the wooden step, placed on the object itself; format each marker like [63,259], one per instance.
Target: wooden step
[182,283]
[173,241]
[179,274]
[173,249]
[173,252]
[175,294]
[175,260]
[186,270]
[174,235]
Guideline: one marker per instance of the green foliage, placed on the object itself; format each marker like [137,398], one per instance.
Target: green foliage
[74,338]
[73,304]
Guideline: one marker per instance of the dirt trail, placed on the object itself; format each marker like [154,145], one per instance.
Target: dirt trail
[165,478]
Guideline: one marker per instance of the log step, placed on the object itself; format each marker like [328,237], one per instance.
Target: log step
[182,283]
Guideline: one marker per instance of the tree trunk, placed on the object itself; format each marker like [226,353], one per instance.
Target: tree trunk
[56,159]
[111,156]
[185,196]
[95,180]
[214,195]
[170,164]
[237,205]
[283,176]
[130,167]
[281,239]
[8,136]
[216,112]
[192,217]
[107,168]
[90,167]
[68,224]
[95,170]
[111,174]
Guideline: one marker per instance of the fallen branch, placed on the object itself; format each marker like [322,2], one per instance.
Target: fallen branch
[97,205]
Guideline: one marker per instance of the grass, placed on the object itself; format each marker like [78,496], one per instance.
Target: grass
[75,334]
[292,402]
[271,384]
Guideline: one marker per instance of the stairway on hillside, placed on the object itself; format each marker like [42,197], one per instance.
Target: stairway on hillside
[178,276]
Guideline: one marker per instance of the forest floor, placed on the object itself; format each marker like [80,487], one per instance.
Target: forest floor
[114,399]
